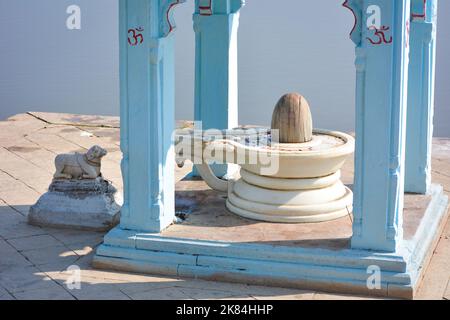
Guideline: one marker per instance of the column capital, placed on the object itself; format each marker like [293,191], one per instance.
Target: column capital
[424,10]
[218,7]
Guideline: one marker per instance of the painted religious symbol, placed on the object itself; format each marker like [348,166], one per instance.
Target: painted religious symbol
[135,36]
[379,36]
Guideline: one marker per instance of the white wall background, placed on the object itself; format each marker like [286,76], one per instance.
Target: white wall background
[285,45]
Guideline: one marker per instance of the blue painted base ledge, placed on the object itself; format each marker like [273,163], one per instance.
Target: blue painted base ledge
[342,271]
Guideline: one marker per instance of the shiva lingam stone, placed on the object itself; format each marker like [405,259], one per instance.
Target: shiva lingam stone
[307,186]
[292,118]
[295,180]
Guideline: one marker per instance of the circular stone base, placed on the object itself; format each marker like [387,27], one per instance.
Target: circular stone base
[289,200]
[290,184]
[291,214]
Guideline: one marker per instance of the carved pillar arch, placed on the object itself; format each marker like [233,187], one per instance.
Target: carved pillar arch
[166,20]
[355,6]
[216,70]
[380,34]
[147,113]
[421,95]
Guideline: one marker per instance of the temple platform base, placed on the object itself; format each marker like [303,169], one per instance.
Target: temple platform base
[213,244]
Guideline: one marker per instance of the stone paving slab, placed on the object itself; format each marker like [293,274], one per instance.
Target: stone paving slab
[81,137]
[30,152]
[34,260]
[34,242]
[11,258]
[447,292]
[437,276]
[54,293]
[21,279]
[17,128]
[77,120]
[5,296]
[19,230]
[59,254]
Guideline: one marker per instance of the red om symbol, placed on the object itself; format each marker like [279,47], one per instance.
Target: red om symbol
[135,36]
[380,34]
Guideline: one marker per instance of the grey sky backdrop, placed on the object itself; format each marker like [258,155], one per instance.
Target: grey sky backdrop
[284,45]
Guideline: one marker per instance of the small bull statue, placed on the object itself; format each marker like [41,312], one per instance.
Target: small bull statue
[80,166]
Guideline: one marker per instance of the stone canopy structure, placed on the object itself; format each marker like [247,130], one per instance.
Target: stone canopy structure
[395,66]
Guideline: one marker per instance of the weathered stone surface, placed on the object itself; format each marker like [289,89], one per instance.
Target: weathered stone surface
[173,293]
[77,204]
[34,242]
[5,296]
[11,258]
[21,279]
[55,292]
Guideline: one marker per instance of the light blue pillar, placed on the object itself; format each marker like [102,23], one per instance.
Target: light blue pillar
[380,35]
[421,96]
[216,70]
[147,113]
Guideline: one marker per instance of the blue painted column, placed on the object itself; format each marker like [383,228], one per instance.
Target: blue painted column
[381,38]
[421,96]
[216,69]
[147,113]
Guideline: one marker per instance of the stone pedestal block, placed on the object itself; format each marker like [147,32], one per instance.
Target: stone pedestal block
[77,204]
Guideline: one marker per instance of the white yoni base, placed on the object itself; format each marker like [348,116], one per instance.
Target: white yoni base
[283,183]
[343,271]
[77,204]
[289,200]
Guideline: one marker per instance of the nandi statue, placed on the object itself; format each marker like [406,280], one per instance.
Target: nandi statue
[80,166]
[78,197]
